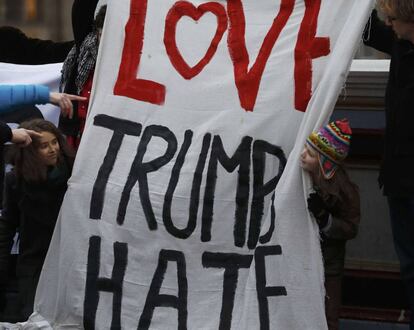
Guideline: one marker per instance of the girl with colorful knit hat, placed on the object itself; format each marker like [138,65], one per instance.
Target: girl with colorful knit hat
[334,205]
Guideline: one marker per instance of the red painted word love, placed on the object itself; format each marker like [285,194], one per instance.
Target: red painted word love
[308,47]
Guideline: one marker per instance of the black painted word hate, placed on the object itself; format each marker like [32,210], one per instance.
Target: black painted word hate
[230,263]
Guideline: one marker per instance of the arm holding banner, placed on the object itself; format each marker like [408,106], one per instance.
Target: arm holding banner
[342,221]
[22,49]
[378,35]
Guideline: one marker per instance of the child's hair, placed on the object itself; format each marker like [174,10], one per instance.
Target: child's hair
[27,162]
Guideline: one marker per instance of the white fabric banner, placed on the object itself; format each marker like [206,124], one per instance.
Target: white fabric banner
[48,75]
[177,215]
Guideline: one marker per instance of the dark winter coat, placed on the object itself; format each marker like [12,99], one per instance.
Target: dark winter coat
[5,136]
[397,175]
[32,210]
[345,214]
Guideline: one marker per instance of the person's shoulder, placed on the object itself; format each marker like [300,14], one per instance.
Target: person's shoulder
[344,179]
[8,33]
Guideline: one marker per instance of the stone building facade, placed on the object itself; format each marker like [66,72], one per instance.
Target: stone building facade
[45,19]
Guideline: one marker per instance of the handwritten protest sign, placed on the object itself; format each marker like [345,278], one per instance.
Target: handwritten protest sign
[186,207]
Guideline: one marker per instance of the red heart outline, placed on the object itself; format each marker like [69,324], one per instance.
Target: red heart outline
[184,8]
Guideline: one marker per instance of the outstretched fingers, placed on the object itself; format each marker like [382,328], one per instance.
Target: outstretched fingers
[64,101]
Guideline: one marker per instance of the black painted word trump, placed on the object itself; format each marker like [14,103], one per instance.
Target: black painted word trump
[249,153]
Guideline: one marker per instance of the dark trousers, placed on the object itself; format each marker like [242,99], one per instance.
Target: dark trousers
[402,223]
[333,286]
[27,291]
[333,252]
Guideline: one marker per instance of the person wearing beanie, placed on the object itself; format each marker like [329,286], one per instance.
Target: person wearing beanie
[334,204]
[395,37]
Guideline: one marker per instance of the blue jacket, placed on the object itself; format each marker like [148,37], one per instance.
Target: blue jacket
[12,96]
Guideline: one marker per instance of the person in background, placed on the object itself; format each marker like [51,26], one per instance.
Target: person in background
[20,49]
[334,204]
[17,48]
[79,67]
[14,96]
[22,138]
[34,192]
[395,37]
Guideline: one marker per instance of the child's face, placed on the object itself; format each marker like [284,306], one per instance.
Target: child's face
[48,148]
[309,160]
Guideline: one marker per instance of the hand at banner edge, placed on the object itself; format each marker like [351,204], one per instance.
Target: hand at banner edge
[64,101]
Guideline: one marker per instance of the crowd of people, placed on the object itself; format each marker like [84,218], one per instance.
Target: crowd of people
[42,154]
